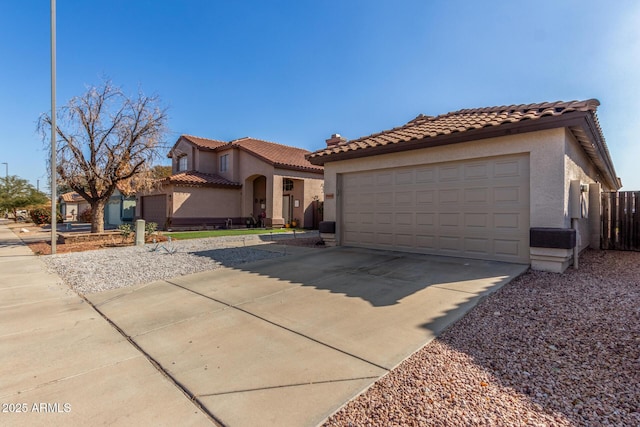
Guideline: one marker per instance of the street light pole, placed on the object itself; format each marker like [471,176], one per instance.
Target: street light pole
[54,216]
[6,170]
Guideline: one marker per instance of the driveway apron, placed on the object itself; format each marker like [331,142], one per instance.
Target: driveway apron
[287,342]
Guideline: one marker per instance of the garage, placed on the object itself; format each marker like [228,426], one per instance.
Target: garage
[476,208]
[495,183]
[154,209]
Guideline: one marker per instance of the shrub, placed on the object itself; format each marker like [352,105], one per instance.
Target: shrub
[85,215]
[42,215]
[150,228]
[125,231]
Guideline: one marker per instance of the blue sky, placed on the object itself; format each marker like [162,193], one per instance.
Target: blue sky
[295,72]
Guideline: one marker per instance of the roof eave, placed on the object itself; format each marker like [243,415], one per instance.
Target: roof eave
[298,168]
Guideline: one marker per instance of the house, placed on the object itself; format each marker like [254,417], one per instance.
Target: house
[224,184]
[71,205]
[120,208]
[517,183]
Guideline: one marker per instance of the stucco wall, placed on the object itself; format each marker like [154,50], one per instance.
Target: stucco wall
[578,167]
[551,170]
[207,162]
[196,202]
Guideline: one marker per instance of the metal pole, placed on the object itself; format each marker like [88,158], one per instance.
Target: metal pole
[54,195]
[6,170]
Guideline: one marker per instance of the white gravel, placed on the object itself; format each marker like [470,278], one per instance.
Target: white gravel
[545,350]
[99,270]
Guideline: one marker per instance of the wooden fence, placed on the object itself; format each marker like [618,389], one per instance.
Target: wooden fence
[621,221]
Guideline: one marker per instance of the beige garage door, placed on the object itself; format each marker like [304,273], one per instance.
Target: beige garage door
[476,208]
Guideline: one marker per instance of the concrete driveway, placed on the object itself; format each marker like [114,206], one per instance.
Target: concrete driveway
[288,341]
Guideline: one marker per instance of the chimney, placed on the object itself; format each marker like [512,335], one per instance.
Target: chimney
[335,139]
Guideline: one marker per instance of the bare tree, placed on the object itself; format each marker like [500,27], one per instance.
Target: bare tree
[106,140]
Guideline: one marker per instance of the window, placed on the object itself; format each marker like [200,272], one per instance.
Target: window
[182,163]
[287,184]
[224,163]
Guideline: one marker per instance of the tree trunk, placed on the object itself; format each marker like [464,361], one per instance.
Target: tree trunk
[97,217]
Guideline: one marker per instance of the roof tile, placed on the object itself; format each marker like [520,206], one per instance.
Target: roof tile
[199,179]
[465,120]
[282,156]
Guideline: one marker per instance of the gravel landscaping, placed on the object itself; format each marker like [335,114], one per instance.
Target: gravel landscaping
[100,270]
[545,350]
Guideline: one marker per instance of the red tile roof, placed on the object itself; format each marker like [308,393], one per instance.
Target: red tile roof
[474,124]
[198,179]
[203,142]
[278,155]
[467,120]
[72,197]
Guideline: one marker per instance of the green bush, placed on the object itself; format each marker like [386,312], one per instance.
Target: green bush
[150,228]
[42,215]
[125,231]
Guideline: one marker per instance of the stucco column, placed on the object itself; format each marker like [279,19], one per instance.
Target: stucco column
[274,199]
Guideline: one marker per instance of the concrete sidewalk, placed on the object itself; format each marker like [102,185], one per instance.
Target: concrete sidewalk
[61,363]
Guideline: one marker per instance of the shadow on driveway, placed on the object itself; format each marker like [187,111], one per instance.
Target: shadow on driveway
[382,278]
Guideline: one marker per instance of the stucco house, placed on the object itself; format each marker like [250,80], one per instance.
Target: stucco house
[119,210]
[517,183]
[216,183]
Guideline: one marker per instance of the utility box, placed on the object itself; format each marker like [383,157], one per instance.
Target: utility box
[578,205]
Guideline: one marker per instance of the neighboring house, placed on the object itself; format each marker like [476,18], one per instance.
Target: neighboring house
[498,183]
[72,205]
[120,208]
[216,184]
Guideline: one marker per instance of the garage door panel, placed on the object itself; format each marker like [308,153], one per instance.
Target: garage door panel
[450,243]
[476,220]
[477,245]
[449,196]
[404,219]
[507,247]
[405,240]
[507,195]
[404,177]
[507,220]
[449,173]
[404,198]
[477,208]
[425,175]
[449,219]
[384,199]
[425,197]
[476,195]
[508,168]
[476,171]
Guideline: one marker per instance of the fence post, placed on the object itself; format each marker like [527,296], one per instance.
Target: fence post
[604,241]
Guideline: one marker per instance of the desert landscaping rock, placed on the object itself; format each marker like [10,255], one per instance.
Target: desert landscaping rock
[100,270]
[545,350]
